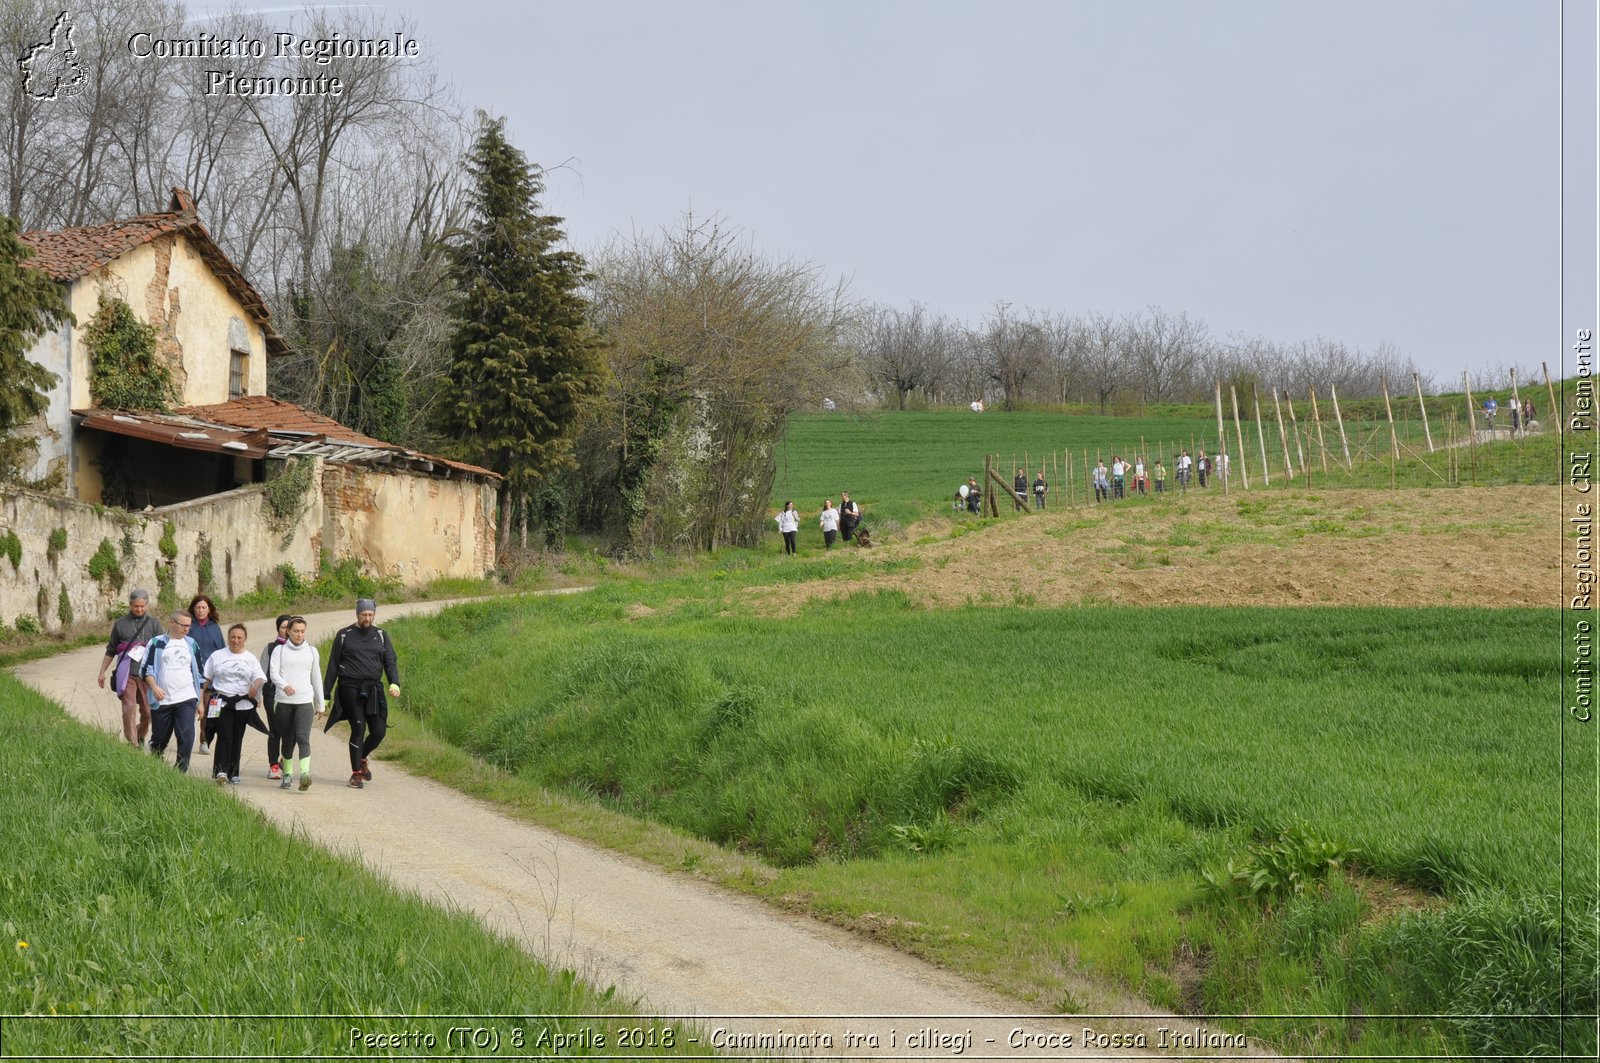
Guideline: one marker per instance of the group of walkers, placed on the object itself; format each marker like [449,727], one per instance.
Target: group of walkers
[1522,414]
[1123,477]
[192,679]
[1119,479]
[843,522]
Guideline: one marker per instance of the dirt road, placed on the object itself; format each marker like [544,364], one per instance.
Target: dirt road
[772,982]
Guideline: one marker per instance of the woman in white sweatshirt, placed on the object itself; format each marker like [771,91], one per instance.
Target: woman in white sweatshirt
[297,674]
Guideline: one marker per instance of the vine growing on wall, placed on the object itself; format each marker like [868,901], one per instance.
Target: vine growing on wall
[287,494]
[124,371]
[205,569]
[166,585]
[104,566]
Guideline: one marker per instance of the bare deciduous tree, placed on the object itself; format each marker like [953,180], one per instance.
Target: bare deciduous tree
[712,347]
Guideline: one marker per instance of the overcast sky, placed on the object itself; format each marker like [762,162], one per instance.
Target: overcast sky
[1362,170]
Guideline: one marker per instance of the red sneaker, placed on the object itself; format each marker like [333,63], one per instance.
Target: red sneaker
[275,773]
[356,781]
[366,772]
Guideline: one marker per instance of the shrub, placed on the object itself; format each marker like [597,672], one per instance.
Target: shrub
[169,541]
[104,566]
[205,571]
[166,587]
[125,372]
[286,494]
[64,607]
[11,546]
[27,625]
[57,543]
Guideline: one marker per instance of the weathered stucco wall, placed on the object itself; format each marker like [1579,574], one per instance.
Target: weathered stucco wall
[197,320]
[245,549]
[415,528]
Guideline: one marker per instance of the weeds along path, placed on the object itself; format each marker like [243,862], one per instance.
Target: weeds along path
[685,948]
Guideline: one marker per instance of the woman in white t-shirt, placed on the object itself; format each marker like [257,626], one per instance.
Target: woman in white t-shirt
[829,522]
[789,525]
[297,673]
[233,680]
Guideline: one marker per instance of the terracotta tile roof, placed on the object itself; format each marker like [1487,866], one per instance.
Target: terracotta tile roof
[73,253]
[77,252]
[278,417]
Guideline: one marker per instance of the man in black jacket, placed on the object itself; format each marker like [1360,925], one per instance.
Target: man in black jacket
[849,516]
[361,658]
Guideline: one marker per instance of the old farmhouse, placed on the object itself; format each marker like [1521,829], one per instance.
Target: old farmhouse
[189,498]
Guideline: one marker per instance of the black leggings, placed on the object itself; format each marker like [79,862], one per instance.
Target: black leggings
[280,729]
[788,542]
[366,728]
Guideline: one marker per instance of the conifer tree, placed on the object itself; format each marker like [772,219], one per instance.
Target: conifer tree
[30,305]
[524,359]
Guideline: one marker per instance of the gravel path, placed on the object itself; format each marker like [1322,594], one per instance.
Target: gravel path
[683,947]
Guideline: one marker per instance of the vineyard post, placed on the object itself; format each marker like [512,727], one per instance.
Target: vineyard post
[1261,439]
[1238,431]
[1388,410]
[1283,439]
[1322,445]
[1294,426]
[1344,440]
[1555,414]
[1427,431]
[1221,433]
[1472,424]
[1516,400]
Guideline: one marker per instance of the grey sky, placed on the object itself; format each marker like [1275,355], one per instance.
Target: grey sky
[1362,171]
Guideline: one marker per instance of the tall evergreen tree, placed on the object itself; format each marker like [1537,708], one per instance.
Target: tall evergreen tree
[30,305]
[524,359]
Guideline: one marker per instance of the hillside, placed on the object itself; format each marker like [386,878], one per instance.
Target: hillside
[1488,546]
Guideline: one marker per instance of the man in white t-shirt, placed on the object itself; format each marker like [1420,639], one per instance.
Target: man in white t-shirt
[171,674]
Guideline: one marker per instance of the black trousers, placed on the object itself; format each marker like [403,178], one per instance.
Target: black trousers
[358,704]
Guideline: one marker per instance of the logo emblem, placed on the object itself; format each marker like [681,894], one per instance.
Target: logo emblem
[50,70]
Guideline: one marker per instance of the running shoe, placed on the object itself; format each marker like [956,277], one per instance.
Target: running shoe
[366,772]
[305,783]
[356,782]
[205,748]
[222,778]
[275,772]
[287,783]
[235,780]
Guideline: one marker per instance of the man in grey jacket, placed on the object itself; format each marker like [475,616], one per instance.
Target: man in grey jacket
[130,634]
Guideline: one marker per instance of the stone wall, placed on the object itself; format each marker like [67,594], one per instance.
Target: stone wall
[233,534]
[409,526]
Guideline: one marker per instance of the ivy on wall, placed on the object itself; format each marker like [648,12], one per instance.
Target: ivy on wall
[124,371]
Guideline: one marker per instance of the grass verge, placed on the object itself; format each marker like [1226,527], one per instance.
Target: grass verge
[1029,822]
[137,904]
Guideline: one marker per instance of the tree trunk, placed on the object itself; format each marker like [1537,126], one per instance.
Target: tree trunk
[503,533]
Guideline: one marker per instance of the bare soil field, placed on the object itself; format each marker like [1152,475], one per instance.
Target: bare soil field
[1486,546]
